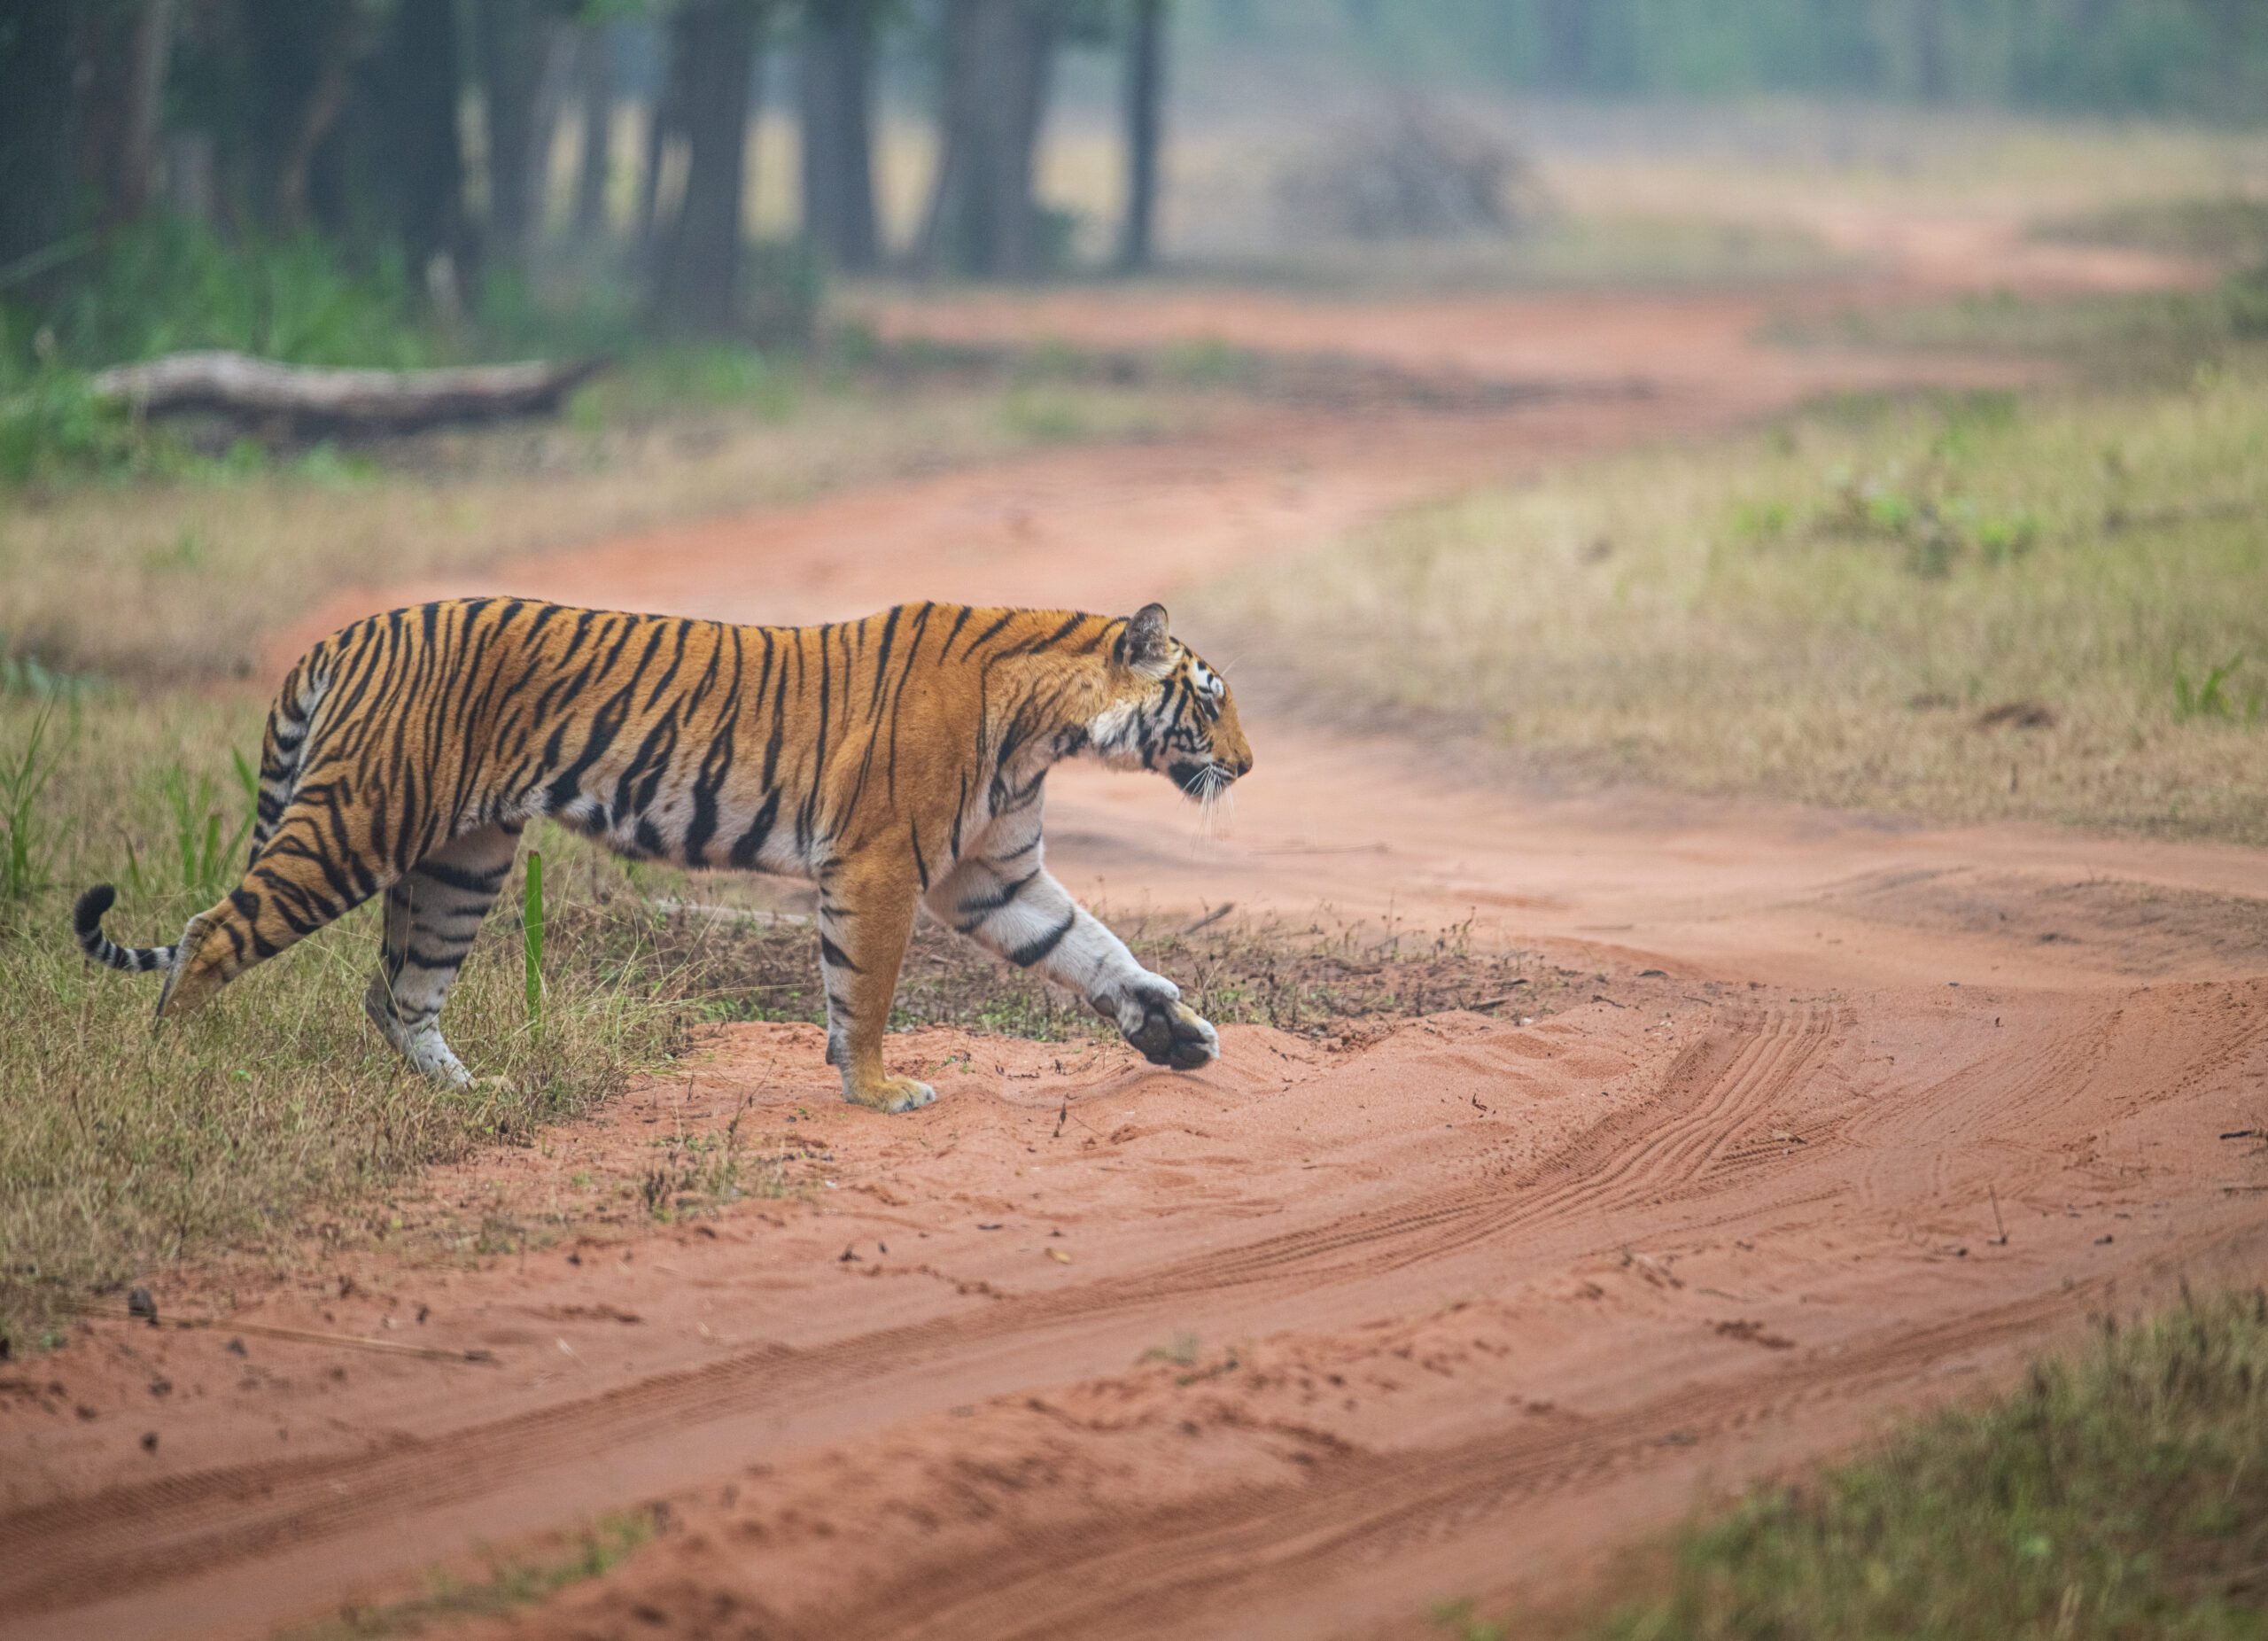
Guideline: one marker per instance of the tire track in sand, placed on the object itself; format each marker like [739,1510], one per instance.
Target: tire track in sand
[1143,1573]
[132,1538]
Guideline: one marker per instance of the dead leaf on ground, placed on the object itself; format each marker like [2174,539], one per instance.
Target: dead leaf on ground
[2017,715]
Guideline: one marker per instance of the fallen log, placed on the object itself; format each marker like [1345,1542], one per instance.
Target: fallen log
[310,398]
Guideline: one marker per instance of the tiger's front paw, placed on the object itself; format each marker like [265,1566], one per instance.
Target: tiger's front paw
[891,1094]
[1168,1031]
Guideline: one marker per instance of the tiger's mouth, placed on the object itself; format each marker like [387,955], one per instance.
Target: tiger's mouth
[1201,779]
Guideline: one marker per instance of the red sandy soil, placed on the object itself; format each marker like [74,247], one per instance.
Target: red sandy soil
[1304,1343]
[1671,341]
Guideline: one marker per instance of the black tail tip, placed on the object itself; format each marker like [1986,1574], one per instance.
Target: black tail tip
[87,915]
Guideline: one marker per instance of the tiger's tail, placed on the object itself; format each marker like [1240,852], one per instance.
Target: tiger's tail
[282,749]
[87,918]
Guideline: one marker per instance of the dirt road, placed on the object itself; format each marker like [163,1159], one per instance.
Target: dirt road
[1303,1344]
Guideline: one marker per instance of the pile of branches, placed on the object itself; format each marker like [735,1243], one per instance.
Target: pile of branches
[1418,173]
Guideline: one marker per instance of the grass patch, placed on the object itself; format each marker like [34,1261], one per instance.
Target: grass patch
[121,1147]
[2152,338]
[1977,606]
[2155,337]
[2119,1493]
[2228,228]
[506,1583]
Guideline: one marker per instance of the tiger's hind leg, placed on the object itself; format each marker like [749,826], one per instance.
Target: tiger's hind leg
[304,877]
[431,917]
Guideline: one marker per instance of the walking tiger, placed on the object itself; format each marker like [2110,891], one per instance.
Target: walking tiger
[896,761]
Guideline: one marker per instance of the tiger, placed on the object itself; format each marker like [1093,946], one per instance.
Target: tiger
[897,761]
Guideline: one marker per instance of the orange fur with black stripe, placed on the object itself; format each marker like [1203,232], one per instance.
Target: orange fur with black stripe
[898,761]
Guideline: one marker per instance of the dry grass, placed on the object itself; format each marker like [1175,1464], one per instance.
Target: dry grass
[2229,228]
[2129,340]
[2048,608]
[1317,978]
[184,580]
[120,1145]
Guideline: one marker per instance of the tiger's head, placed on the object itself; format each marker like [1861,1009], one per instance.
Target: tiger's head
[1170,711]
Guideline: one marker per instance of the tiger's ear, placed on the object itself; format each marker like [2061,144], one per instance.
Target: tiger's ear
[1145,645]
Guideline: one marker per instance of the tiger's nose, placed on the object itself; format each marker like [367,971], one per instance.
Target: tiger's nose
[1240,766]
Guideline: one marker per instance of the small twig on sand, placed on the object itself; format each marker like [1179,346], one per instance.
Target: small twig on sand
[1487,1003]
[1211,917]
[2001,1241]
[310,1336]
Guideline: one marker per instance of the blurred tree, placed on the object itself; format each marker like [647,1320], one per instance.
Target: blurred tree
[983,214]
[2240,35]
[126,47]
[508,36]
[296,55]
[418,84]
[835,88]
[39,192]
[1566,28]
[1144,109]
[1840,51]
[1932,67]
[697,271]
[664,125]
[2173,57]
[594,76]
[339,119]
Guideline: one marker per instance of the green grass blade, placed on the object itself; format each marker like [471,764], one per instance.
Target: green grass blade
[532,939]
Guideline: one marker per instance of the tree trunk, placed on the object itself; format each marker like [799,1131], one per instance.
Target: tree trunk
[1566,43]
[154,39]
[983,214]
[836,90]
[2238,36]
[935,243]
[123,51]
[696,280]
[38,130]
[419,82]
[595,72]
[509,35]
[1026,52]
[300,53]
[1932,65]
[1145,111]
[557,72]
[664,122]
